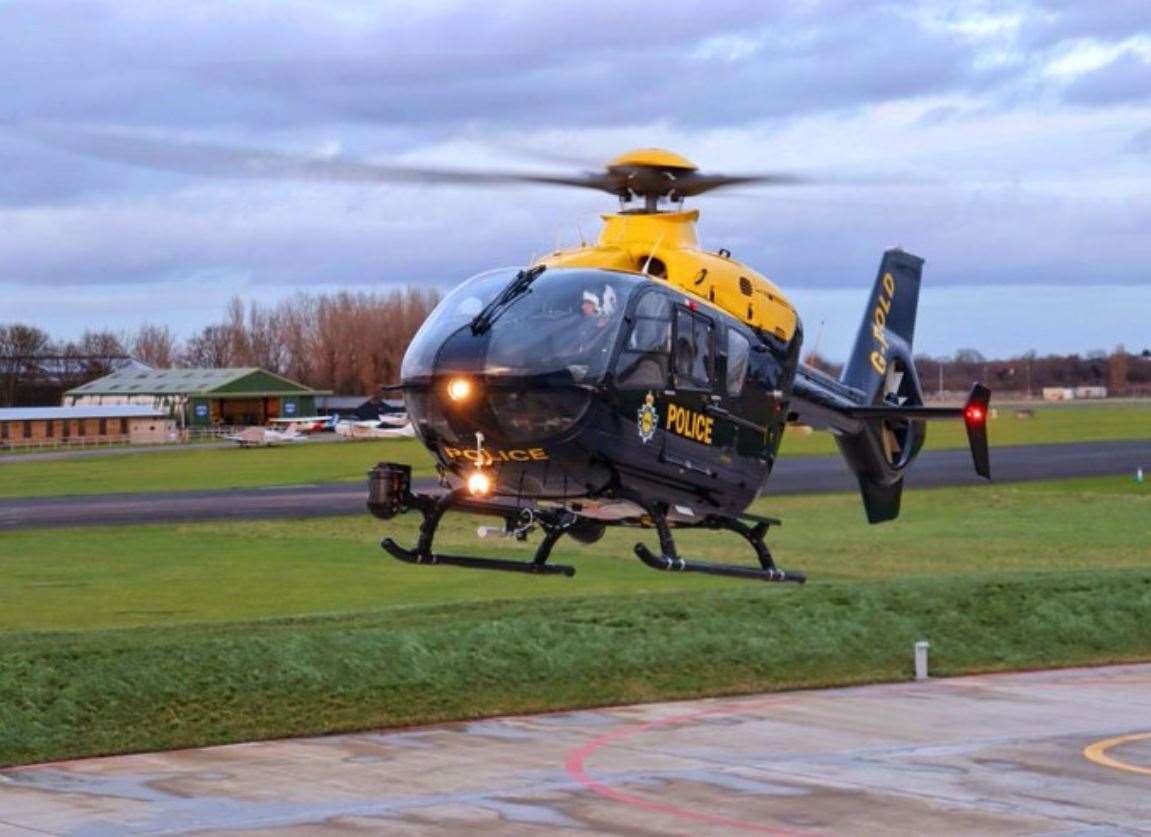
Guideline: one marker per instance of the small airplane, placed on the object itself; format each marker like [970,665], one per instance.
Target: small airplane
[265,437]
[389,427]
[305,424]
[639,381]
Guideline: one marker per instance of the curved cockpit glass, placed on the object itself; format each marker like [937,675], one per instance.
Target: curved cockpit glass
[560,323]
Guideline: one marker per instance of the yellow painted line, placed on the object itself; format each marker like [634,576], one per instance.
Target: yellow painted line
[1097,752]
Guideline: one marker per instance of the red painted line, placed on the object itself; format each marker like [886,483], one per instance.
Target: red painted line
[576,761]
[576,766]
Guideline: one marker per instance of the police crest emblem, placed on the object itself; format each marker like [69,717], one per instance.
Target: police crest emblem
[647,418]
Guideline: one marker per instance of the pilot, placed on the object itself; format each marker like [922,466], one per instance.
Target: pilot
[593,318]
[589,307]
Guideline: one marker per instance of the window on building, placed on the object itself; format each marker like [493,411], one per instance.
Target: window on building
[27,430]
[738,351]
[694,355]
[49,428]
[102,427]
[123,427]
[4,431]
[65,428]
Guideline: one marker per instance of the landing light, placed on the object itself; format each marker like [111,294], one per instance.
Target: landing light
[973,414]
[479,484]
[459,389]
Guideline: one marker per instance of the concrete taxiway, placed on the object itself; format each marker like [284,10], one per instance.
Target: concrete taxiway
[1042,752]
[797,475]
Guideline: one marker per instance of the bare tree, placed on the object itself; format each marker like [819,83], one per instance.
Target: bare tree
[211,348]
[19,344]
[1117,370]
[154,345]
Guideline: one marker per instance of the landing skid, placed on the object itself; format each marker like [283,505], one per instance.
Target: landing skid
[433,509]
[390,494]
[669,559]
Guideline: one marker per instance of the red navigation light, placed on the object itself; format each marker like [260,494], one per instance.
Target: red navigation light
[974,414]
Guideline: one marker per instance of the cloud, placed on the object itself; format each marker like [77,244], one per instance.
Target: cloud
[1140,143]
[1018,119]
[1055,21]
[567,62]
[1127,79]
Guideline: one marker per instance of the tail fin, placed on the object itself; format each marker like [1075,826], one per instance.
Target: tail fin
[881,369]
[888,327]
[876,409]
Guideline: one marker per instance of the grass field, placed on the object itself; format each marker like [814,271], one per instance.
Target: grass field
[197,469]
[1050,424]
[161,636]
[190,470]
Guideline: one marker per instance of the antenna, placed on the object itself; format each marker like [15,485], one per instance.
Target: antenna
[582,240]
[814,353]
[651,255]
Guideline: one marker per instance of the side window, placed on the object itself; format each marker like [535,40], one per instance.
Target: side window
[738,351]
[644,361]
[694,350]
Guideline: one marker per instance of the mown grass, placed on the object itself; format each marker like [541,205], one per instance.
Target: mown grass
[150,689]
[199,469]
[123,576]
[192,469]
[1048,424]
[136,638]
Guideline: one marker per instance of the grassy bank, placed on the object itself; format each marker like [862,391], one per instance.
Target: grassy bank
[201,469]
[134,638]
[109,692]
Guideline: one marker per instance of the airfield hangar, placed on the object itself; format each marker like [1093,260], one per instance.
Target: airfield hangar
[106,424]
[203,397]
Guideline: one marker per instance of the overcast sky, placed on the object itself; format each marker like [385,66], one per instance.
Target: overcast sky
[1008,143]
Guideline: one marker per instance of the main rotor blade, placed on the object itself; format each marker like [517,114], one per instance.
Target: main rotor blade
[217,160]
[694,184]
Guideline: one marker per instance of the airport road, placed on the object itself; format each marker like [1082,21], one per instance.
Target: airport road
[797,475]
[1041,752]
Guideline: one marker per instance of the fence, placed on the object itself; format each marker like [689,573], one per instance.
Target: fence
[187,436]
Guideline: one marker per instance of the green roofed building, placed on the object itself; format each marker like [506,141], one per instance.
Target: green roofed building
[202,397]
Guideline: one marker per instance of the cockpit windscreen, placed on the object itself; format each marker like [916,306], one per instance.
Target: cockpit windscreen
[563,323]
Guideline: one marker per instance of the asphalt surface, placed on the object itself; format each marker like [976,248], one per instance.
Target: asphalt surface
[798,475]
[1054,752]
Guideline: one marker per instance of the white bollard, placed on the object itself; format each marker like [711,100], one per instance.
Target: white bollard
[1138,475]
[921,659]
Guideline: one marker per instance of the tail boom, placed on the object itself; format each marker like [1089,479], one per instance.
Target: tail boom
[876,408]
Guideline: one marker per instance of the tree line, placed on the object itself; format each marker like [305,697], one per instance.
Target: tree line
[1122,372]
[352,343]
[346,342]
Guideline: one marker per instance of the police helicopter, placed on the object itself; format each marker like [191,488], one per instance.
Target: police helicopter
[638,381]
[642,381]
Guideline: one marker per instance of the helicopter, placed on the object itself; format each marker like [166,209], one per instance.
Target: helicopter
[639,381]
[642,381]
